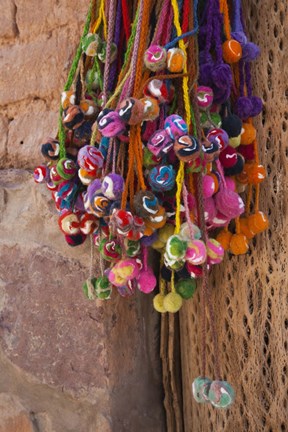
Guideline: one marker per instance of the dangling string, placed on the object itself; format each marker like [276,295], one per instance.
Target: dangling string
[111,23]
[225,11]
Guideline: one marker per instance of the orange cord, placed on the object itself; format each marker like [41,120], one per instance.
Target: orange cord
[225,11]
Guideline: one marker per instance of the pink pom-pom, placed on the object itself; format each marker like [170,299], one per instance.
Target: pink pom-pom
[146,281]
[209,209]
[229,203]
[196,252]
[209,186]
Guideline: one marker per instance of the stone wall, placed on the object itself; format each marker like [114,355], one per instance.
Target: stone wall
[66,364]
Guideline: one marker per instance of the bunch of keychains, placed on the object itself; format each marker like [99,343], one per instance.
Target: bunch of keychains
[156,149]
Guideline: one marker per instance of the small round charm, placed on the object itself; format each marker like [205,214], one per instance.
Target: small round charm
[204,97]
[232,51]
[91,44]
[155,58]
[186,148]
[175,60]
[221,394]
[200,389]
[162,178]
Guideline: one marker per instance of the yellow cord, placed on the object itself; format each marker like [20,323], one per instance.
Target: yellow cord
[179,183]
[101,17]
[173,289]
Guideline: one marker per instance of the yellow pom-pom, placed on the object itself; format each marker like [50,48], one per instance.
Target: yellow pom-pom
[238,244]
[172,302]
[224,238]
[166,232]
[158,303]
[158,245]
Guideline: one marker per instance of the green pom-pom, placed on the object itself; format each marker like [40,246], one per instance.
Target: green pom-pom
[176,247]
[207,123]
[93,79]
[103,288]
[89,288]
[91,44]
[132,248]
[102,52]
[186,288]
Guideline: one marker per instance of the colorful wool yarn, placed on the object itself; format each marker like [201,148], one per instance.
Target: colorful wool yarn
[157,150]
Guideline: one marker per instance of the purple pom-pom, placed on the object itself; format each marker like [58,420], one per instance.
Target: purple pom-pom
[221,95]
[243,107]
[240,37]
[257,106]
[250,51]
[205,73]
[222,76]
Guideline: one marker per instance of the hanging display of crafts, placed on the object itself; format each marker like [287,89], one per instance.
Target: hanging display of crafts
[156,149]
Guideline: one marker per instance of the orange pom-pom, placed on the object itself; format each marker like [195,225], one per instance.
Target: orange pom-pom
[243,176]
[256,173]
[244,228]
[232,51]
[175,60]
[238,244]
[224,238]
[258,222]
[248,135]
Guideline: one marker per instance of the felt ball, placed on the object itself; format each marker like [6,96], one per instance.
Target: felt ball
[186,148]
[55,176]
[151,108]
[97,204]
[237,168]
[50,150]
[215,251]
[257,106]
[220,136]
[146,281]
[204,97]
[91,44]
[103,288]
[93,79]
[221,94]
[221,76]
[75,240]
[243,107]
[258,222]
[175,60]
[149,159]
[229,203]
[51,186]
[110,123]
[158,220]
[210,210]
[69,223]
[145,204]
[209,186]
[186,288]
[66,168]
[244,228]
[162,178]
[102,52]
[232,124]
[231,51]
[196,252]
[73,117]
[256,173]
[113,186]
[86,177]
[185,232]
[122,221]
[248,133]
[89,288]
[131,111]
[155,58]
[173,264]
[82,134]
[132,248]
[89,108]
[219,220]
[41,174]
[110,250]
[238,244]
[123,270]
[224,238]
[210,120]
[172,302]
[228,157]
[250,51]
[88,223]
[230,183]
[68,98]
[176,248]
[247,151]
[194,271]
[90,158]
[158,303]
[221,394]
[160,143]
[210,150]
[159,90]
[200,389]
[66,193]
[175,126]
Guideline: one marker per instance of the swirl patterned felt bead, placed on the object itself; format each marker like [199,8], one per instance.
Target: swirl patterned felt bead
[113,186]
[41,174]
[67,192]
[99,205]
[186,148]
[210,150]
[200,389]
[162,178]
[75,240]
[86,177]
[123,271]
[110,123]
[155,58]
[221,394]
[160,143]
[66,168]
[91,44]
[160,90]
[68,98]
[215,251]
[89,288]
[151,108]
[103,289]
[55,176]
[196,252]
[122,222]
[145,204]
[88,223]
[176,248]
[69,223]
[175,60]
[50,149]
[90,158]
[204,97]
[131,111]
[132,248]
[175,126]
[73,117]
[110,250]
[88,108]
[220,136]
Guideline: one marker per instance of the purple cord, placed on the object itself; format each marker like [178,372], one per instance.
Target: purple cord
[209,30]
[217,26]
[117,33]
[161,23]
[236,22]
[248,79]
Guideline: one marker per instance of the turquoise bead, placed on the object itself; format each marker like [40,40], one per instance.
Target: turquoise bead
[221,394]
[200,389]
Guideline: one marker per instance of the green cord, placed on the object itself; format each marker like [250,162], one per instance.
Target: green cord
[70,78]
[131,39]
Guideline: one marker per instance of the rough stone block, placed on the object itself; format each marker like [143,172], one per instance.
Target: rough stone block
[8,28]
[13,416]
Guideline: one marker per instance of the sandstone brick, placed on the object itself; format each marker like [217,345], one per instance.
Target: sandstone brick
[8,28]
